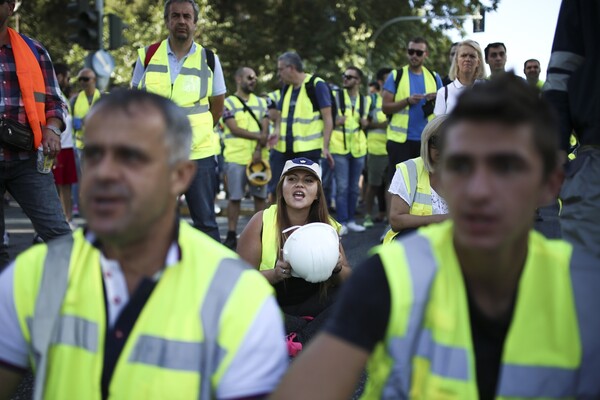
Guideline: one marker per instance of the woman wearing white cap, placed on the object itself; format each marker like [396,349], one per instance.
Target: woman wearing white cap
[299,201]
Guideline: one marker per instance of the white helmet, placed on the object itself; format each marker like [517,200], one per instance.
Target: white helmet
[313,251]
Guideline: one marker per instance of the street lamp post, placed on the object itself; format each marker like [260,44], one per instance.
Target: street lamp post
[409,18]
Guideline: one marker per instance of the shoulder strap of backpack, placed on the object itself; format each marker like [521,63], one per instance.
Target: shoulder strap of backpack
[310,91]
[361,105]
[150,51]
[247,109]
[210,59]
[31,45]
[399,73]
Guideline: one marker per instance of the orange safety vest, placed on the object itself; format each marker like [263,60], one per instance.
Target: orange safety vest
[31,83]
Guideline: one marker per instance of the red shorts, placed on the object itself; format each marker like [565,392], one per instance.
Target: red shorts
[64,170]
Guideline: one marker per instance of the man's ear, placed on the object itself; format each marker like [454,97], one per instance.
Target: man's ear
[551,186]
[182,174]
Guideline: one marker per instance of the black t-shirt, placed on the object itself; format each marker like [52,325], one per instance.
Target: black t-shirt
[361,316]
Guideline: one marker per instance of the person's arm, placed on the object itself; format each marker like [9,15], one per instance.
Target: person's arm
[240,132]
[9,381]
[216,107]
[440,103]
[332,363]
[342,270]
[400,217]
[327,129]
[568,54]
[138,73]
[328,369]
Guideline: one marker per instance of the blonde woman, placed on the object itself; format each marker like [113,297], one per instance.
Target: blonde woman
[467,68]
[415,196]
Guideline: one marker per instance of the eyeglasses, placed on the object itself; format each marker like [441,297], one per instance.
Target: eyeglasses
[81,78]
[412,52]
[344,76]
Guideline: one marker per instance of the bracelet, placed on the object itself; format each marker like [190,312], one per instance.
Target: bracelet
[54,129]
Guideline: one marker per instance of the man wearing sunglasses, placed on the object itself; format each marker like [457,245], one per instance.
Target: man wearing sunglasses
[30,104]
[405,93]
[81,104]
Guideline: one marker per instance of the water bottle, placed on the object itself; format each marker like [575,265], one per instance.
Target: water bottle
[44,161]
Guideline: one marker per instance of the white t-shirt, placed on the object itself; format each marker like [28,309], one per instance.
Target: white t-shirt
[398,187]
[175,66]
[66,137]
[256,369]
[455,89]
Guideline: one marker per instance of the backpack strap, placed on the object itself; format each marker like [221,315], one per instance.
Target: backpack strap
[247,109]
[150,51]
[210,59]
[31,45]
[312,95]
[399,73]
[361,105]
[446,97]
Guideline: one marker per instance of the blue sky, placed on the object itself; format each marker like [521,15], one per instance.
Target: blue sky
[526,27]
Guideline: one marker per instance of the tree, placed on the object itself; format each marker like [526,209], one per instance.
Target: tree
[328,35]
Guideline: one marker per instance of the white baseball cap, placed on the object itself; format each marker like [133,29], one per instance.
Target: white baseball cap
[302,163]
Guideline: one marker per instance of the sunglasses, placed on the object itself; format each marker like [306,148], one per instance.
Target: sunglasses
[250,78]
[81,78]
[344,76]
[412,52]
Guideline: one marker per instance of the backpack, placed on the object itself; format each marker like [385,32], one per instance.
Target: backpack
[210,56]
[312,95]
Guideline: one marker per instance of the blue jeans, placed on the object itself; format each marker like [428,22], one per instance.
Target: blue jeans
[37,196]
[347,172]
[200,197]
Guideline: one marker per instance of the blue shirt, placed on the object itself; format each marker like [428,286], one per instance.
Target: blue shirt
[323,99]
[416,118]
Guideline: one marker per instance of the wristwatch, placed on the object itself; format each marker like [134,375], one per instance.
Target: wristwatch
[54,129]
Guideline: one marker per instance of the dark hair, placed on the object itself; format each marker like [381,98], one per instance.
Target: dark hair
[192,2]
[531,60]
[293,59]
[418,39]
[382,72]
[489,46]
[375,84]
[358,71]
[178,133]
[61,69]
[510,101]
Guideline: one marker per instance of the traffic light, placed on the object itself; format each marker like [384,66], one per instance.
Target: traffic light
[115,32]
[86,26]
[479,24]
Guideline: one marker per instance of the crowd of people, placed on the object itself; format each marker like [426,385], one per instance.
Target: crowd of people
[464,299]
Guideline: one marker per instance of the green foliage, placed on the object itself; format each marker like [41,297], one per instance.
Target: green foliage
[329,35]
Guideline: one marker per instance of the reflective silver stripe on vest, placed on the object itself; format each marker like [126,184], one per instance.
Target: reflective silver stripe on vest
[449,362]
[306,121]
[169,354]
[537,382]
[196,109]
[308,138]
[395,128]
[411,168]
[422,268]
[565,60]
[77,332]
[422,198]
[585,279]
[163,69]
[556,81]
[378,130]
[39,97]
[223,283]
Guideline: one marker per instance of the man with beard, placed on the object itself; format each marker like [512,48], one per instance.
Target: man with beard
[187,73]
[495,57]
[246,130]
[138,304]
[405,93]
